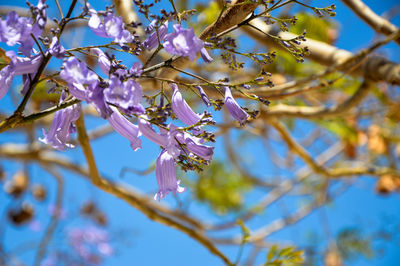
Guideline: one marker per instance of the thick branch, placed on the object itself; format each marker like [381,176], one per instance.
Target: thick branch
[375,67]
[378,23]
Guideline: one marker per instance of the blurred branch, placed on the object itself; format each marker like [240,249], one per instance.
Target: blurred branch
[319,111]
[143,204]
[375,67]
[378,23]
[41,251]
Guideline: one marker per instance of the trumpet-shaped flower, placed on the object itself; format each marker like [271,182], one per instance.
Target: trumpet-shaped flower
[234,108]
[125,128]
[62,127]
[152,41]
[110,27]
[181,109]
[166,176]
[125,94]
[183,42]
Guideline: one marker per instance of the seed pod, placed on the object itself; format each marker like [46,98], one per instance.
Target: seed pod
[17,185]
[39,192]
[88,208]
[21,215]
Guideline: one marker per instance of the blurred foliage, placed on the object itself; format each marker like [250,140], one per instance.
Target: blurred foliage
[318,28]
[287,256]
[221,188]
[351,244]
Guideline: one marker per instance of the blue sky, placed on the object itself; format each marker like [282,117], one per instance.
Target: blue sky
[140,241]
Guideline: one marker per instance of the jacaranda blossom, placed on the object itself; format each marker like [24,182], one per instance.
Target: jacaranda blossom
[152,41]
[124,127]
[103,60]
[39,11]
[203,95]
[234,108]
[166,176]
[124,94]
[18,66]
[62,127]
[15,30]
[205,56]
[111,27]
[181,109]
[174,142]
[95,96]
[76,74]
[183,42]
[56,49]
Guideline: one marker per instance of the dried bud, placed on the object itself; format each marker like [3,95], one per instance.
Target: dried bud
[2,174]
[39,192]
[17,185]
[101,219]
[89,208]
[21,215]
[387,184]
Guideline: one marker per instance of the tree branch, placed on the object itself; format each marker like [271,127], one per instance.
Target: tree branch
[376,22]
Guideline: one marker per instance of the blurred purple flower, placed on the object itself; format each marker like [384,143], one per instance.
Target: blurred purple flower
[203,95]
[205,56]
[62,127]
[181,109]
[56,49]
[110,27]
[89,241]
[166,176]
[124,127]
[6,78]
[15,30]
[152,41]
[59,212]
[234,108]
[35,226]
[183,42]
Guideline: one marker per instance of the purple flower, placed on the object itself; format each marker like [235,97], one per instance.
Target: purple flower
[15,29]
[125,128]
[205,56]
[166,176]
[39,12]
[56,49]
[62,127]
[90,241]
[195,146]
[124,94]
[24,65]
[111,27]
[152,41]
[233,107]
[95,96]
[136,69]
[181,109]
[203,95]
[183,42]
[103,60]
[76,74]
[18,66]
[147,130]
[6,77]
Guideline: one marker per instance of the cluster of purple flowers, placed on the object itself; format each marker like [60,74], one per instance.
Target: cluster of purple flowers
[119,95]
